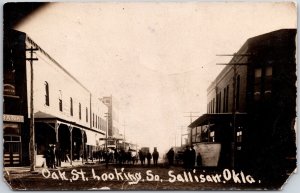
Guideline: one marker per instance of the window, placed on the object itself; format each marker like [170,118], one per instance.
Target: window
[71,106]
[86,114]
[219,103]
[239,135]
[96,121]
[79,111]
[213,106]
[93,119]
[60,105]
[268,81]
[226,93]
[212,136]
[224,99]
[47,102]
[237,102]
[257,83]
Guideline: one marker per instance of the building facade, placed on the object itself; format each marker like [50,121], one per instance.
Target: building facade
[113,116]
[251,107]
[65,112]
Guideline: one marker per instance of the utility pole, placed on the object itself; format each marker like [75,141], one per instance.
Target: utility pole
[32,129]
[191,120]
[234,64]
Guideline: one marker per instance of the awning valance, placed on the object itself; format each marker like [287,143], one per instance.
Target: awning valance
[206,119]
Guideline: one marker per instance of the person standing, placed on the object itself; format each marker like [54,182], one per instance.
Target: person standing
[170,156]
[142,157]
[186,157]
[52,157]
[192,157]
[199,160]
[149,157]
[155,156]
[58,156]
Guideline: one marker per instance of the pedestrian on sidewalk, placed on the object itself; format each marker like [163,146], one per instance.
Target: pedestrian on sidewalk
[58,155]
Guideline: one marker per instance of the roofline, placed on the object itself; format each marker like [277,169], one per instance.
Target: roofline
[55,62]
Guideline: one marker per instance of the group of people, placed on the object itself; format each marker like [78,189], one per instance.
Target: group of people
[147,155]
[53,156]
[188,157]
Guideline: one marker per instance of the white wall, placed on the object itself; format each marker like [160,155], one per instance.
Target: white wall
[61,85]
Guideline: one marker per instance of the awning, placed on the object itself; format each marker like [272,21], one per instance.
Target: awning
[91,137]
[206,119]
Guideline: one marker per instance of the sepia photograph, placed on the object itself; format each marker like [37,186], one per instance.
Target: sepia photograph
[149,95]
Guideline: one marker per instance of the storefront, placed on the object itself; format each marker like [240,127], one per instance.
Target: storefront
[12,152]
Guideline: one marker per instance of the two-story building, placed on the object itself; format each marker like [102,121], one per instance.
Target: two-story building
[65,112]
[251,106]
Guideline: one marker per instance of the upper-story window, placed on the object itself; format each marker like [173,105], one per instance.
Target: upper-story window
[268,81]
[257,83]
[60,105]
[47,102]
[71,106]
[79,110]
[96,121]
[238,82]
[93,119]
[86,114]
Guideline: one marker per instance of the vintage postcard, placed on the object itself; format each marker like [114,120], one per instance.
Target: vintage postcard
[149,95]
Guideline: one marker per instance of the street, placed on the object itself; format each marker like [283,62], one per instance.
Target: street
[129,177]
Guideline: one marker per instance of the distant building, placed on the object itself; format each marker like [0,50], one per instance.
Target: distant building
[66,113]
[260,126]
[113,116]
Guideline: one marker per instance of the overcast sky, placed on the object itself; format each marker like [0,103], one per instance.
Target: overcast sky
[156,59]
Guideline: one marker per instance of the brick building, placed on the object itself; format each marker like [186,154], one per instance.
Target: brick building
[256,126]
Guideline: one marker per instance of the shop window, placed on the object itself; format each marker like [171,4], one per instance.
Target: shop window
[47,102]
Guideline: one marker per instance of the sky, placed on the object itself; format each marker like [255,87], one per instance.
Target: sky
[156,59]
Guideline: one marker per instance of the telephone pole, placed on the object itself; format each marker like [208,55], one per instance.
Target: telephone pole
[32,129]
[191,120]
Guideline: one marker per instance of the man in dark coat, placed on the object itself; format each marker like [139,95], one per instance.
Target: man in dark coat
[149,157]
[192,157]
[186,157]
[170,156]
[155,156]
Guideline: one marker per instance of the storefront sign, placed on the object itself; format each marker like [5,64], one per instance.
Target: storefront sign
[13,118]
[9,89]
[210,153]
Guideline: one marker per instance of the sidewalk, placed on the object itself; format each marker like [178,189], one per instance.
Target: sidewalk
[38,169]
